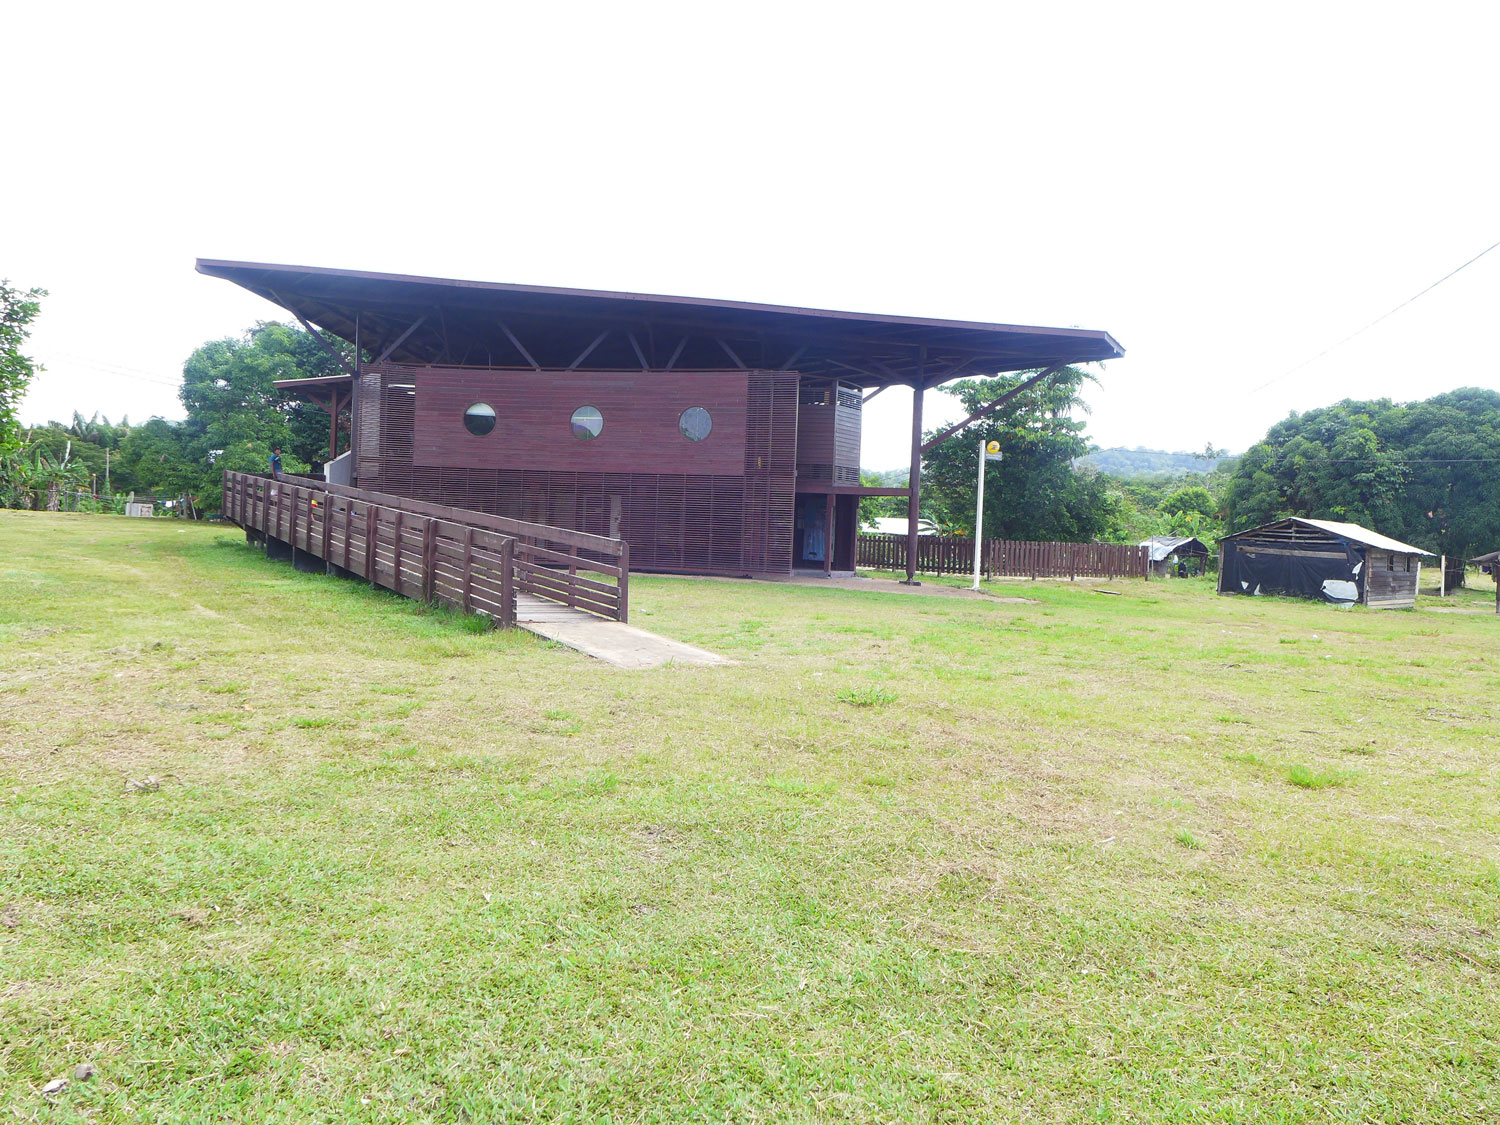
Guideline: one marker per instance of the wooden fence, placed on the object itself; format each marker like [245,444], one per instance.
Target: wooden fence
[470,560]
[941,554]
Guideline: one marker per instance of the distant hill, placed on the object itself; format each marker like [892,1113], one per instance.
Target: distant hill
[1121,462]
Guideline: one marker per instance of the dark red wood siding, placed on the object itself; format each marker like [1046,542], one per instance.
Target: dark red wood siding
[721,506]
[828,432]
[640,411]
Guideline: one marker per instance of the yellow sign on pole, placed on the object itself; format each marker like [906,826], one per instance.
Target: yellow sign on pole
[992,447]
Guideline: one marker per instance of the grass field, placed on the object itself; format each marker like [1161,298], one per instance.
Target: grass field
[276,847]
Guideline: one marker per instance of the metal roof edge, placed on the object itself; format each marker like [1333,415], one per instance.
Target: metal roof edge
[225,268]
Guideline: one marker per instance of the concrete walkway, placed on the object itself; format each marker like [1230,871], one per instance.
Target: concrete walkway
[613,642]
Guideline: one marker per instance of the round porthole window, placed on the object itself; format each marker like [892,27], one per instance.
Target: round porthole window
[479,419]
[587,423]
[695,423]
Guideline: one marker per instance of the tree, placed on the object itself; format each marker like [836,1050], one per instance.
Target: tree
[1034,492]
[17,310]
[1421,472]
[1193,498]
[235,415]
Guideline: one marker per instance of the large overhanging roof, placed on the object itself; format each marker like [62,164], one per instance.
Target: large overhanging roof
[491,324]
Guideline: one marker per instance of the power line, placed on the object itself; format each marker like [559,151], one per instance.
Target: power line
[1373,323]
[116,369]
[1409,461]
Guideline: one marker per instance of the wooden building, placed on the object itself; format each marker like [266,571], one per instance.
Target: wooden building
[716,437]
[1341,563]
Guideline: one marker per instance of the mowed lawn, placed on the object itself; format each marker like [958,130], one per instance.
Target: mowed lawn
[277,847]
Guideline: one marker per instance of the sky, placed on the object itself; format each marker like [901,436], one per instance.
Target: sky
[1227,189]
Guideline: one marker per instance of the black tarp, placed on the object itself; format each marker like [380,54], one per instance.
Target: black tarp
[1328,569]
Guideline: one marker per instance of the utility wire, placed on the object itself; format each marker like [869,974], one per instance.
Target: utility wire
[1373,323]
[116,369]
[1408,461]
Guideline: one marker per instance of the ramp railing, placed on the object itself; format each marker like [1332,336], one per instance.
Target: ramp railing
[471,560]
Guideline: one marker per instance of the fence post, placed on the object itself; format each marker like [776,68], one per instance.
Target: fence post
[623,608]
[327,526]
[372,529]
[396,554]
[468,585]
[429,560]
[507,583]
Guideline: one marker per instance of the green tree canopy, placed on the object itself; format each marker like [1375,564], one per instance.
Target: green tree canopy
[1422,472]
[18,308]
[1034,492]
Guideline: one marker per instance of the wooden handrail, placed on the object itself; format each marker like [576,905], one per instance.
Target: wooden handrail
[472,560]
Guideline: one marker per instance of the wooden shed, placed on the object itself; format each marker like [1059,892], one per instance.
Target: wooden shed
[1168,550]
[1341,563]
[716,437]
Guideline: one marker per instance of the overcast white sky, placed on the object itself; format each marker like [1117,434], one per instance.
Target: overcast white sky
[1228,189]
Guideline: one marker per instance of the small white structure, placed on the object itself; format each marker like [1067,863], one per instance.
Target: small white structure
[896,525]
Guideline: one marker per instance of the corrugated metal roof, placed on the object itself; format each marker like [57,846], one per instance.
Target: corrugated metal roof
[1162,546]
[434,319]
[1350,531]
[1366,536]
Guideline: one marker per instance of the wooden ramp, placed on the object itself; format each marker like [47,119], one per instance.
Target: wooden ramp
[613,642]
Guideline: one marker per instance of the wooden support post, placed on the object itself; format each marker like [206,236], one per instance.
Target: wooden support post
[507,583]
[327,526]
[468,585]
[372,529]
[624,580]
[396,554]
[572,574]
[827,535]
[429,560]
[914,481]
[333,428]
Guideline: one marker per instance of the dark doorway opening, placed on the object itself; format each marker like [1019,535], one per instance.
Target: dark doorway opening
[824,531]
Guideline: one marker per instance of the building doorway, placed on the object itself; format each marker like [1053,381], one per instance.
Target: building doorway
[823,533]
[811,534]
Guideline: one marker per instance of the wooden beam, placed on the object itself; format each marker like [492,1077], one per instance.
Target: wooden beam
[986,411]
[401,339]
[873,393]
[738,362]
[583,355]
[511,336]
[318,336]
[671,363]
[639,354]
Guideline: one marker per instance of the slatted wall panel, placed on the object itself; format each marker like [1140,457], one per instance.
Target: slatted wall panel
[367,427]
[847,423]
[770,472]
[696,523]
